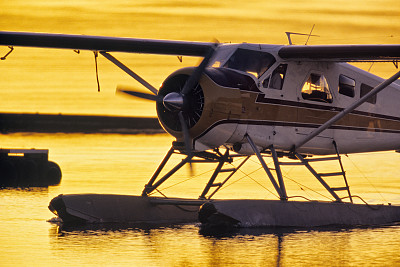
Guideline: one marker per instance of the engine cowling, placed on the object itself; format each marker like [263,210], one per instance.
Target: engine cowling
[212,110]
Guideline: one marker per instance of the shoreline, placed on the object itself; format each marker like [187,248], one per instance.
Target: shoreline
[65,123]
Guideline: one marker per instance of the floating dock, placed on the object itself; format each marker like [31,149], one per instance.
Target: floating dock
[28,168]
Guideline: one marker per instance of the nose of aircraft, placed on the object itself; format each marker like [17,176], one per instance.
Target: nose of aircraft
[173,101]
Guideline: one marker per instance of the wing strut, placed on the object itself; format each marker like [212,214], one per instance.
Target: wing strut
[129,72]
[347,110]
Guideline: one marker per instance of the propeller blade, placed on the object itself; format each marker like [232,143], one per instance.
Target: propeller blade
[141,95]
[186,137]
[194,78]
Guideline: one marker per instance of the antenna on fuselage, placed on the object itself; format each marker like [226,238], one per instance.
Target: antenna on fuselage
[288,34]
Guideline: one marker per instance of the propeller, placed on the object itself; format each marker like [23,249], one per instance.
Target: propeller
[186,139]
[142,95]
[194,78]
[177,102]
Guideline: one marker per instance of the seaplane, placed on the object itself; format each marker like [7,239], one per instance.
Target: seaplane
[294,104]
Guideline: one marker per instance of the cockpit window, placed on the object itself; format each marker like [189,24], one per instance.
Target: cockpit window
[251,61]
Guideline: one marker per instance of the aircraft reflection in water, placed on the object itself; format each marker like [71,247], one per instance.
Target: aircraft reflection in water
[250,99]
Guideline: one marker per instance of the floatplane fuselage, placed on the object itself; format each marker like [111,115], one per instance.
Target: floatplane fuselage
[279,102]
[243,100]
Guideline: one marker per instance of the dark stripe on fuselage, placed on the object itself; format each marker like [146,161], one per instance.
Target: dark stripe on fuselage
[261,99]
[295,124]
[259,110]
[232,79]
[331,109]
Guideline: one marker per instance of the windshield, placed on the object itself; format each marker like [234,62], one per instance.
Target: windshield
[251,61]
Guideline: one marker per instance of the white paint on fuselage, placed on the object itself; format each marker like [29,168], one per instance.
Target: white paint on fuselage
[284,137]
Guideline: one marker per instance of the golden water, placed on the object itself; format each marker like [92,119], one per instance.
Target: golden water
[122,164]
[56,81]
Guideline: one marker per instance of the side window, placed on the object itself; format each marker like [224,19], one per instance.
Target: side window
[365,89]
[316,89]
[276,79]
[346,86]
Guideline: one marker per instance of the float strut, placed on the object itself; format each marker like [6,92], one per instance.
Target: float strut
[278,172]
[149,185]
[319,178]
[344,173]
[264,165]
[215,174]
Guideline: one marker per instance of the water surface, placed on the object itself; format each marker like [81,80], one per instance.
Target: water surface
[122,164]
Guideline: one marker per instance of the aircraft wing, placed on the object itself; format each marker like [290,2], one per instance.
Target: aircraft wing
[107,44]
[341,53]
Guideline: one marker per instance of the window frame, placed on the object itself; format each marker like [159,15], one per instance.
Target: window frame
[267,81]
[327,90]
